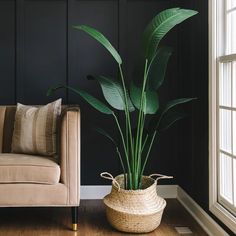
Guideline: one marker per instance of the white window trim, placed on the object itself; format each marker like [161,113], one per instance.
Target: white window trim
[217,209]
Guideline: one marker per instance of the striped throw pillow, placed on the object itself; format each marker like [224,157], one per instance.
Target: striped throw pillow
[35,129]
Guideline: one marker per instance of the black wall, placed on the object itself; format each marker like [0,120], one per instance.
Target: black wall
[39,49]
[193,66]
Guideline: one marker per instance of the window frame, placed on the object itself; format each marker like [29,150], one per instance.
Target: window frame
[215,40]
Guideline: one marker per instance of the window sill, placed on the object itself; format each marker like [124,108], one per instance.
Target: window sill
[224,215]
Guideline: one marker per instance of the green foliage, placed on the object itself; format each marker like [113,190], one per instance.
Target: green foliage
[135,140]
[114,93]
[170,119]
[94,102]
[175,102]
[164,117]
[160,26]
[150,102]
[158,68]
[101,39]
[104,133]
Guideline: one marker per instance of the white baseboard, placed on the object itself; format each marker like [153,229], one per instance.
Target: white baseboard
[100,191]
[167,191]
[94,191]
[206,222]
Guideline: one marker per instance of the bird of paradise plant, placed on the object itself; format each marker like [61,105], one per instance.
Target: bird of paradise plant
[136,141]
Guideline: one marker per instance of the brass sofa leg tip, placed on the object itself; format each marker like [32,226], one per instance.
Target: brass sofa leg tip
[74,227]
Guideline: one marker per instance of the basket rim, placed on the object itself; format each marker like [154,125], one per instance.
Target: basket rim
[137,191]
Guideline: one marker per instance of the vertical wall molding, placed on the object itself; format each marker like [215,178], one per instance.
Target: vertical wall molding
[19,53]
[15,52]
[122,26]
[69,48]
[8,50]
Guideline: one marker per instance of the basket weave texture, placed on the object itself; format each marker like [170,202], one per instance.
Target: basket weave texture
[134,211]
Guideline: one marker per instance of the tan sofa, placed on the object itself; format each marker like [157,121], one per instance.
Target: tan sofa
[33,181]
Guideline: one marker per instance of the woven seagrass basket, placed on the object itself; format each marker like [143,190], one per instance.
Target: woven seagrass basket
[134,211]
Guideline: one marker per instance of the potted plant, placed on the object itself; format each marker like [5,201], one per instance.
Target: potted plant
[133,204]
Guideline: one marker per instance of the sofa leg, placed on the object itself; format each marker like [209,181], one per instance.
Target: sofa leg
[74,214]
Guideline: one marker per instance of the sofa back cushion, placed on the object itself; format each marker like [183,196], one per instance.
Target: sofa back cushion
[35,129]
[7,118]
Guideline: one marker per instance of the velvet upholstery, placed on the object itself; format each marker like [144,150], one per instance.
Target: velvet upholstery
[22,168]
[64,193]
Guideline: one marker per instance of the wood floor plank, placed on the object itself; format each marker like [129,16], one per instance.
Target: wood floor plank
[92,221]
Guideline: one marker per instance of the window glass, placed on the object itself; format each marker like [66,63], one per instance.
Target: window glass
[225,84]
[234,83]
[226,190]
[225,130]
[230,4]
[231,32]
[234,134]
[234,180]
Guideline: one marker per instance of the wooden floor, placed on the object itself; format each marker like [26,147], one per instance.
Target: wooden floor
[92,221]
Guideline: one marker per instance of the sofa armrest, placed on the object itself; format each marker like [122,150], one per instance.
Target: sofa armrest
[70,154]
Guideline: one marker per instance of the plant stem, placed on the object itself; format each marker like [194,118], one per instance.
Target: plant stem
[147,155]
[144,143]
[123,142]
[127,135]
[140,143]
[128,123]
[140,127]
[123,167]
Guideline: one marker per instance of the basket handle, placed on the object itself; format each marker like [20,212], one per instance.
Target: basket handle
[106,175]
[159,176]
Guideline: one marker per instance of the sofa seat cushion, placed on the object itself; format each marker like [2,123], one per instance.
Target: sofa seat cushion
[21,168]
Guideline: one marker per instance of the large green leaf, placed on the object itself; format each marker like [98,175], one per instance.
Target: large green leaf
[169,119]
[175,102]
[155,122]
[158,68]
[160,26]
[135,95]
[104,133]
[94,102]
[150,101]
[101,39]
[114,93]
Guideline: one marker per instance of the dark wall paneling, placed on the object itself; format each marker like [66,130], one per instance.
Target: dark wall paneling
[193,46]
[49,51]
[7,51]
[42,49]
[200,113]
[88,57]
[185,167]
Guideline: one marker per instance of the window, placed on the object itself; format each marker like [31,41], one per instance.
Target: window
[222,110]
